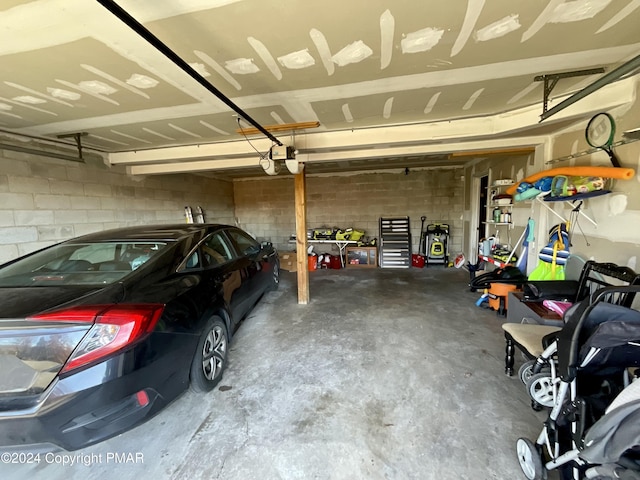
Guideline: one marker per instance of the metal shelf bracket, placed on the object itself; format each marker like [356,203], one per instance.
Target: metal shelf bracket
[550,81]
[78,138]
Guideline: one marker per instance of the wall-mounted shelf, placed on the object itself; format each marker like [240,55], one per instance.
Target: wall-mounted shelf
[499,210]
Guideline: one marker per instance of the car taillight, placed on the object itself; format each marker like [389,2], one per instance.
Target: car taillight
[114,327]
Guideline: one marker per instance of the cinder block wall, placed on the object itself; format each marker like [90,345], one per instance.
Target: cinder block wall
[265,206]
[43,201]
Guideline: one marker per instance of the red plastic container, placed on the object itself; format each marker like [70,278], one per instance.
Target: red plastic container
[335,262]
[417,260]
[313,262]
[326,261]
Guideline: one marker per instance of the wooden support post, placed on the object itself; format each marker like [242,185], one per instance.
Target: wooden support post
[301,237]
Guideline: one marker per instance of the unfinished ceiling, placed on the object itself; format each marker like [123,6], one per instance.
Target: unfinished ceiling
[400,72]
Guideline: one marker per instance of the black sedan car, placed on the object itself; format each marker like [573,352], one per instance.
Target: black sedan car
[99,333]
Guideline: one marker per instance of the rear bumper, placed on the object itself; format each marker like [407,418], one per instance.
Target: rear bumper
[64,428]
[104,400]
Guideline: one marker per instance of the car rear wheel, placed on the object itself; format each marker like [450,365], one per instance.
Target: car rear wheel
[210,359]
[275,277]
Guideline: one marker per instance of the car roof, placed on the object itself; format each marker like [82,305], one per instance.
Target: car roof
[167,232]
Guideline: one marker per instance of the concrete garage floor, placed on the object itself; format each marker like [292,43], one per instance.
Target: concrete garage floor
[386,374]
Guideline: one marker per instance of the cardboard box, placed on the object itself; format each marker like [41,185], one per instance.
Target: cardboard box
[288,261]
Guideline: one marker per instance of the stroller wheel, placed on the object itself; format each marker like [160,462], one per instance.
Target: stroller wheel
[526,370]
[530,460]
[540,389]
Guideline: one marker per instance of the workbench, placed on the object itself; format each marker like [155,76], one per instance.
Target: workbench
[341,244]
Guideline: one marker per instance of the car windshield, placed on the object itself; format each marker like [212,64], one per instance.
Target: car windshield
[99,263]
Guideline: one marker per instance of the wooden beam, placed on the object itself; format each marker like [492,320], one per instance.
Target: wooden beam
[281,127]
[300,182]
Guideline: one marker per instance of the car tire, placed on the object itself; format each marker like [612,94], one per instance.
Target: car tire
[210,358]
[275,277]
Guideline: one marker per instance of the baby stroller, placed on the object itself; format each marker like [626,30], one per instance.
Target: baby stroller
[531,339]
[599,342]
[612,444]
[611,448]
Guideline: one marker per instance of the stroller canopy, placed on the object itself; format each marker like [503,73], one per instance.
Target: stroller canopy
[597,337]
